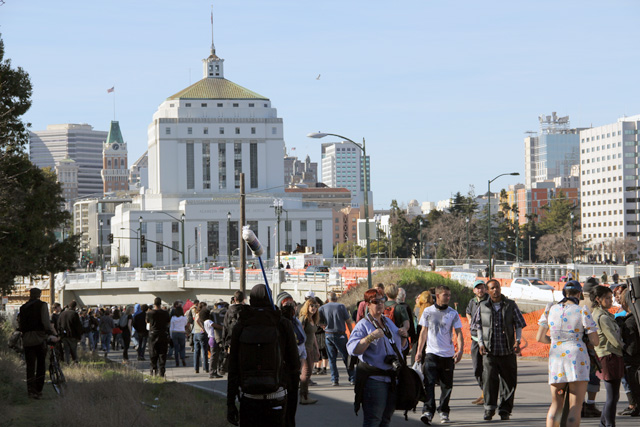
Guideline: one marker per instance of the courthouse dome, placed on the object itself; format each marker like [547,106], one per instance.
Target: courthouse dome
[216,88]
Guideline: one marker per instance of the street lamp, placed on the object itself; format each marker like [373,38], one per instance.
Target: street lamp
[181,221]
[571,216]
[100,252]
[139,242]
[489,217]
[229,238]
[366,193]
[530,237]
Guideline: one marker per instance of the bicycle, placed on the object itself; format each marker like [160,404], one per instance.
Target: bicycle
[55,371]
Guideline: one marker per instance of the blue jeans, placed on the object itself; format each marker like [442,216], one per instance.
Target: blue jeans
[142,344]
[378,403]
[105,339]
[179,340]
[337,343]
[200,348]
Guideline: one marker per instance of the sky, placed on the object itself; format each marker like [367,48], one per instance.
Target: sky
[442,92]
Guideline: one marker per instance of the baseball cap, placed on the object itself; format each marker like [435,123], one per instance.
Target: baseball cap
[310,294]
[572,285]
[478,283]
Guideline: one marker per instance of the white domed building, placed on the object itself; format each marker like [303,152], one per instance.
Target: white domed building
[199,141]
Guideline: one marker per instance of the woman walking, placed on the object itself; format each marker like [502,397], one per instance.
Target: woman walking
[126,321]
[569,363]
[200,338]
[309,319]
[609,352]
[178,332]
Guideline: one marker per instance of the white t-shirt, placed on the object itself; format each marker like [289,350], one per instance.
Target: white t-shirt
[178,324]
[440,324]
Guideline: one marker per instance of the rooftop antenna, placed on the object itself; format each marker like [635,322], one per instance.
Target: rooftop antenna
[213,47]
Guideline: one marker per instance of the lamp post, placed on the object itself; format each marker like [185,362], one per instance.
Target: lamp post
[420,242]
[366,193]
[466,220]
[139,242]
[100,251]
[181,221]
[517,239]
[229,238]
[530,237]
[277,204]
[489,217]
[571,219]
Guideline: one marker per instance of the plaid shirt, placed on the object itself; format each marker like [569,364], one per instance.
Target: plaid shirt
[499,345]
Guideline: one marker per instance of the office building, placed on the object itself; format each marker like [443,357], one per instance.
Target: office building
[343,167]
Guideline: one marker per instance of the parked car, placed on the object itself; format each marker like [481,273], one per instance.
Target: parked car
[317,271]
[530,282]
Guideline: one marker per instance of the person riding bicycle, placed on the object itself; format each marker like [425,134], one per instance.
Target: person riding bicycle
[35,325]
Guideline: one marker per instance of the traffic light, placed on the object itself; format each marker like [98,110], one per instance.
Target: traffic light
[143,240]
[110,237]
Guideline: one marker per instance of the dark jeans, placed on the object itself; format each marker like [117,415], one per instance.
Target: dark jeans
[378,403]
[437,369]
[608,418]
[630,373]
[292,401]
[259,412]
[142,344]
[126,342]
[499,379]
[179,343]
[158,345]
[337,343]
[215,357]
[35,357]
[200,345]
[476,359]
[70,346]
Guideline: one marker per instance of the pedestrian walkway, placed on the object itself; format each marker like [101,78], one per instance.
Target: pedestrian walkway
[335,404]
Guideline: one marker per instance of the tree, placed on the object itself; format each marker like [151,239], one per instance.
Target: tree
[30,198]
[401,231]
[622,249]
[15,100]
[557,214]
[123,260]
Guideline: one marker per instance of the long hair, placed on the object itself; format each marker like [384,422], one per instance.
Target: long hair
[425,299]
[305,313]
[599,292]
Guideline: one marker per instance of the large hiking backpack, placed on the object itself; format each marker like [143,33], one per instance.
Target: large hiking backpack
[390,312]
[259,354]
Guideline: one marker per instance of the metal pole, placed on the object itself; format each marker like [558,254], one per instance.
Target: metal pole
[572,258]
[139,242]
[366,212]
[100,252]
[278,214]
[229,238]
[467,221]
[183,248]
[243,263]
[490,275]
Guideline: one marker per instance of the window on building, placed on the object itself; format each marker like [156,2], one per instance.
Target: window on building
[274,130]
[318,225]
[253,164]
[206,131]
[206,165]
[253,131]
[252,104]
[167,131]
[236,104]
[175,226]
[237,131]
[222,165]
[237,163]
[221,131]
[303,225]
[219,104]
[318,246]
[204,104]
[190,166]
[189,131]
[188,104]
[213,239]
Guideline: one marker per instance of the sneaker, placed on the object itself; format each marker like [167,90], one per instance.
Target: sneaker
[308,401]
[352,382]
[215,375]
[488,414]
[426,418]
[312,383]
[629,411]
[335,384]
[323,371]
[504,416]
[444,418]
[589,410]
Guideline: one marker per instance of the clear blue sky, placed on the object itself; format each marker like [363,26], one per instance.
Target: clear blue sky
[442,91]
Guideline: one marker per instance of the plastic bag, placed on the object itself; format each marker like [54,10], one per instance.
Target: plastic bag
[417,366]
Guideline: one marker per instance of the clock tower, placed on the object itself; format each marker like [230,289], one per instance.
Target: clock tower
[115,172]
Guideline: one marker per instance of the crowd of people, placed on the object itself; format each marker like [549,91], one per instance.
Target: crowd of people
[271,347]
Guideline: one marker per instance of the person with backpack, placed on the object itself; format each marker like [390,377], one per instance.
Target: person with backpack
[70,331]
[373,340]
[217,315]
[231,317]
[106,330]
[261,334]
[413,336]
[438,323]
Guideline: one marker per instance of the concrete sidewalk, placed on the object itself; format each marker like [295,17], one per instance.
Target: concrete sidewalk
[335,404]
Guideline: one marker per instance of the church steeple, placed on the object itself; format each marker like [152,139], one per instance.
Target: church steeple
[213,66]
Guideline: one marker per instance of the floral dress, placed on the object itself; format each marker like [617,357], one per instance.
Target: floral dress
[568,356]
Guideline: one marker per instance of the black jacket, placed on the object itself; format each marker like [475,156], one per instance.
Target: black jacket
[70,324]
[230,319]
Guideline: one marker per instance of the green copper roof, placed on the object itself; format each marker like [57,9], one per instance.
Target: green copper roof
[214,88]
[114,133]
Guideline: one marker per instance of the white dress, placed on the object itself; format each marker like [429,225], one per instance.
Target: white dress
[568,356]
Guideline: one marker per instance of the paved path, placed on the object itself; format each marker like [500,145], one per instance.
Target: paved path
[335,404]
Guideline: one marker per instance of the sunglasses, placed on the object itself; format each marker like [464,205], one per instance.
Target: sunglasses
[376,301]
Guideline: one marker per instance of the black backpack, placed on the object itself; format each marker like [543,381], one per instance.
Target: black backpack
[413,335]
[259,354]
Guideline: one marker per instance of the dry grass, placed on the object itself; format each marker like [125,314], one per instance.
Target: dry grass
[101,393]
[414,281]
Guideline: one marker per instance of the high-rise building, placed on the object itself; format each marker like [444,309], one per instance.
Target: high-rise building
[67,173]
[297,172]
[114,161]
[609,185]
[343,167]
[78,142]
[139,173]
[552,152]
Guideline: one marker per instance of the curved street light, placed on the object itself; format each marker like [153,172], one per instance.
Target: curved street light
[366,192]
[489,218]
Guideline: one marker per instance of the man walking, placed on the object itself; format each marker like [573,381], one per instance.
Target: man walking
[480,291]
[158,320]
[333,317]
[438,322]
[71,331]
[499,323]
[35,325]
[141,334]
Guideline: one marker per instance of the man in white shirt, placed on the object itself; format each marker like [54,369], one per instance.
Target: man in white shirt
[438,322]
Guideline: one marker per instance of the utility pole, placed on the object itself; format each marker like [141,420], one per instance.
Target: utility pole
[243,246]
[277,204]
